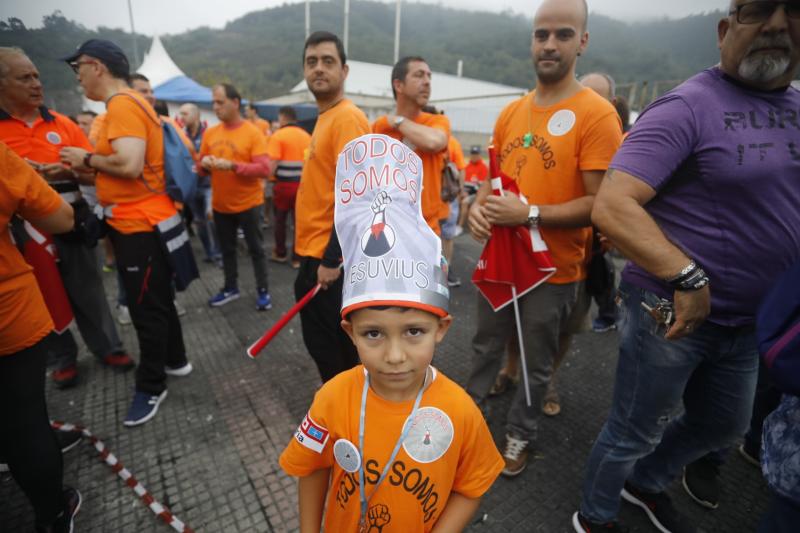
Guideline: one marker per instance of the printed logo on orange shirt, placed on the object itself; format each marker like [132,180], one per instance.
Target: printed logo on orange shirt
[53,137]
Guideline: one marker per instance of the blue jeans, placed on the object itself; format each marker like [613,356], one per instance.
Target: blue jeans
[647,439]
[200,206]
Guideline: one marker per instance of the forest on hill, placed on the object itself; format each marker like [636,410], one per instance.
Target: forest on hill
[261,51]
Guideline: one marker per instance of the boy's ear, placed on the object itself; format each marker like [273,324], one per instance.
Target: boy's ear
[347,326]
[444,325]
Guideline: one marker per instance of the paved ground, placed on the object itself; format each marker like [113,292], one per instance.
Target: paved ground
[211,453]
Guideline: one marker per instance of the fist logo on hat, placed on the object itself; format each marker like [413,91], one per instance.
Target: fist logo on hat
[379,237]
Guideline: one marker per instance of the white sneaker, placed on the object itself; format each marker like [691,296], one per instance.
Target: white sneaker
[181,371]
[181,310]
[123,315]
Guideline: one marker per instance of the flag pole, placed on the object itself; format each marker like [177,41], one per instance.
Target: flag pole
[521,347]
[256,347]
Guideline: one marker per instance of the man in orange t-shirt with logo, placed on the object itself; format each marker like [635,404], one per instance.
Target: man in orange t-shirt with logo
[129,161]
[425,133]
[339,122]
[234,152]
[287,148]
[37,134]
[557,143]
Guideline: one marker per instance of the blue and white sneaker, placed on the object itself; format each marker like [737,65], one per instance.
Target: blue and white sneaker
[143,408]
[263,300]
[224,296]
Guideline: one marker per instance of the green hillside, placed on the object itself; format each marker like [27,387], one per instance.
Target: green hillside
[261,51]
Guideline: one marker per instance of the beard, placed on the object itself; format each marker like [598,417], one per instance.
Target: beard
[553,75]
[761,67]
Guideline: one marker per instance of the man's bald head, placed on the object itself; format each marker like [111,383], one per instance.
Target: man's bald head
[601,83]
[190,114]
[579,7]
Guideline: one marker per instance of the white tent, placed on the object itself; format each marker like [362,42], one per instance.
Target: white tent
[158,66]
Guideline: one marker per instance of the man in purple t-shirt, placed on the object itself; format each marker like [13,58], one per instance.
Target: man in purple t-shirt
[704,198]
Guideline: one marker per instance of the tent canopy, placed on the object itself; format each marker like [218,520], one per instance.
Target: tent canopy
[183,89]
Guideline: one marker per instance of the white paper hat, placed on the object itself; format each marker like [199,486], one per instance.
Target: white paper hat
[391,256]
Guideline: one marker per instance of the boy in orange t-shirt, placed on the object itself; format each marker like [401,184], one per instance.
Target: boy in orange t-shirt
[425,133]
[391,445]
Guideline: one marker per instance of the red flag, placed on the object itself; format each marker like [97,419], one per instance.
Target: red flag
[514,256]
[40,252]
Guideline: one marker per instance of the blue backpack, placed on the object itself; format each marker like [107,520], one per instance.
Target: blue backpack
[778,331]
[179,169]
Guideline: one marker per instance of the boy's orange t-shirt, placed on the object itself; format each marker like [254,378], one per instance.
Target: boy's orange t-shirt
[314,207]
[433,208]
[580,133]
[24,319]
[448,449]
[230,192]
[139,203]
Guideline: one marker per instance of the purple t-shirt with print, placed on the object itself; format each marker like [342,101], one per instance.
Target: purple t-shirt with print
[725,162]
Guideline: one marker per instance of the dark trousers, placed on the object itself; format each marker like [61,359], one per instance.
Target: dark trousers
[81,278]
[227,224]
[147,278]
[326,341]
[27,442]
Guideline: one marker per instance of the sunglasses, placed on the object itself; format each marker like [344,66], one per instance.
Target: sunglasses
[762,11]
[76,65]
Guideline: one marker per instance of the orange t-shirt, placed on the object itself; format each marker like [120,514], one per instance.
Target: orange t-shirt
[580,133]
[24,319]
[433,208]
[230,192]
[97,125]
[335,128]
[139,203]
[476,172]
[448,449]
[287,147]
[455,153]
[262,125]
[44,139]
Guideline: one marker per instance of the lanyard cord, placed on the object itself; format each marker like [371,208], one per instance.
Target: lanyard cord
[403,434]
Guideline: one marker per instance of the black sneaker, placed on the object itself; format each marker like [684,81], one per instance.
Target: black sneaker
[65,522]
[583,525]
[701,482]
[659,510]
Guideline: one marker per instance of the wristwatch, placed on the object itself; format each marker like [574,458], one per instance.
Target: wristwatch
[87,160]
[533,217]
[397,122]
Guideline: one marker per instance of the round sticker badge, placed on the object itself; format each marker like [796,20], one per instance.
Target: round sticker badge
[53,137]
[430,435]
[346,455]
[561,123]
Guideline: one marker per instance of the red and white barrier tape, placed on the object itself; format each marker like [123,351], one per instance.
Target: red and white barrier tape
[160,510]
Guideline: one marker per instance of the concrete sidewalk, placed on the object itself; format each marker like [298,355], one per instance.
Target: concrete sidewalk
[210,454]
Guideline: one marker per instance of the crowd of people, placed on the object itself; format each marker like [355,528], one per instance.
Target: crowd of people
[700,196]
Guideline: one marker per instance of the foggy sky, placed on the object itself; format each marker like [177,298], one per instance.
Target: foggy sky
[177,16]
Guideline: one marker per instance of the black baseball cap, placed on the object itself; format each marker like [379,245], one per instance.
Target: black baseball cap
[475,149]
[105,51]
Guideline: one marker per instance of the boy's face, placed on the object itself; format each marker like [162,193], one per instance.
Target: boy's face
[396,346]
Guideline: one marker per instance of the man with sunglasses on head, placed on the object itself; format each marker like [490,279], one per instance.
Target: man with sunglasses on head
[703,198]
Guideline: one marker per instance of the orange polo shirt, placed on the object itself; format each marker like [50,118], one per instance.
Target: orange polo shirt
[433,208]
[230,192]
[24,319]
[335,128]
[287,147]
